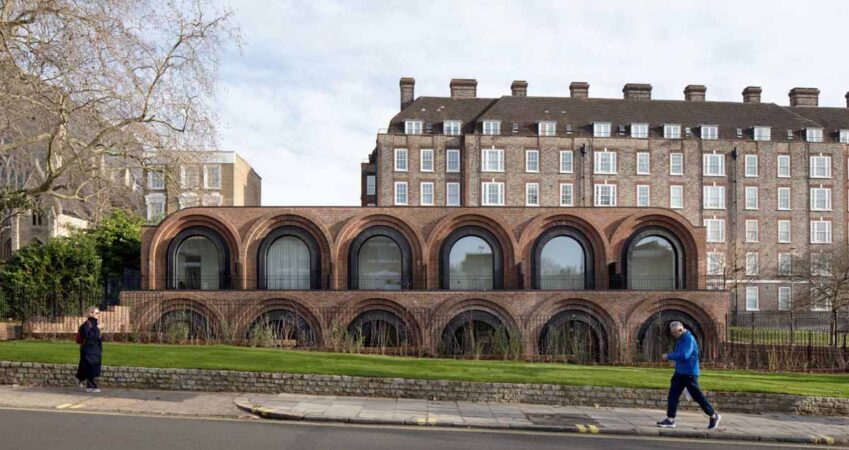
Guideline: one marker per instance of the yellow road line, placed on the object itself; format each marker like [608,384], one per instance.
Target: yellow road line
[593,429]
[77,406]
[581,428]
[64,405]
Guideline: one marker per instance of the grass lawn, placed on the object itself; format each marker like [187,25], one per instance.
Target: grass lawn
[224,357]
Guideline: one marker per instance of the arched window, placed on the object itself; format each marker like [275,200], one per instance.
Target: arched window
[289,258]
[563,261]
[379,328]
[7,250]
[380,259]
[471,260]
[198,258]
[654,261]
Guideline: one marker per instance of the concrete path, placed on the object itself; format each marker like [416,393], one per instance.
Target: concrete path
[569,419]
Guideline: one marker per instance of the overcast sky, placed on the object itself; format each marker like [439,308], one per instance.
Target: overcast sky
[315,80]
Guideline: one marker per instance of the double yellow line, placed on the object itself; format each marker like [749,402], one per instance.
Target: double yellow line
[592,429]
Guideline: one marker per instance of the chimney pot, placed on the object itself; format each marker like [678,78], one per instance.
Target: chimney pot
[695,93]
[752,94]
[847,99]
[804,96]
[519,88]
[579,89]
[408,86]
[463,88]
[637,91]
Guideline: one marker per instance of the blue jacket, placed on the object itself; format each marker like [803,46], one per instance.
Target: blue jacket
[686,355]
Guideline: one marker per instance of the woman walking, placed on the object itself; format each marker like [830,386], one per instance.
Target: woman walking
[91,350]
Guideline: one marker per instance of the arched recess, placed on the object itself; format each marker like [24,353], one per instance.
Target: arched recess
[653,337]
[577,335]
[654,259]
[288,321]
[374,264]
[380,328]
[563,259]
[198,258]
[183,319]
[289,257]
[462,268]
[475,327]
[7,250]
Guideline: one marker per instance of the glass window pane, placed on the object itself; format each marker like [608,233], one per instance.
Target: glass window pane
[287,264]
[561,264]
[652,264]
[379,265]
[198,264]
[471,264]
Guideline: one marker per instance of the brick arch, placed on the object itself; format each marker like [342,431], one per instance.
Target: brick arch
[353,227]
[451,223]
[644,310]
[147,319]
[450,310]
[413,324]
[172,225]
[688,236]
[541,224]
[548,309]
[254,312]
[260,229]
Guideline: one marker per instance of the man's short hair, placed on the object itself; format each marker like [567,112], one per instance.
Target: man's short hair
[674,325]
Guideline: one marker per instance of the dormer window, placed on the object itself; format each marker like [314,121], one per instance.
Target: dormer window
[412,127]
[492,127]
[672,131]
[451,127]
[601,129]
[762,133]
[547,128]
[640,130]
[710,132]
[813,134]
[844,136]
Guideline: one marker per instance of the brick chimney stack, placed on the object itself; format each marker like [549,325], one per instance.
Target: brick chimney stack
[463,88]
[752,94]
[637,91]
[519,88]
[579,89]
[695,93]
[804,96]
[408,87]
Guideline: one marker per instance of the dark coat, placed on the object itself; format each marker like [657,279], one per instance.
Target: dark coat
[91,351]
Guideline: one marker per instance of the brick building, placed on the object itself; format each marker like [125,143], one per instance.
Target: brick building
[768,182]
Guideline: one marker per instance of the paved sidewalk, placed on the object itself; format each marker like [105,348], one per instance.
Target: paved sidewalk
[570,419]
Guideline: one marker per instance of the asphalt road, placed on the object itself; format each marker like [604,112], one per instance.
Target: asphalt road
[28,429]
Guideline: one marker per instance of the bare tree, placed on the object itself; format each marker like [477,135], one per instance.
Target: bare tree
[826,274]
[88,87]
[734,271]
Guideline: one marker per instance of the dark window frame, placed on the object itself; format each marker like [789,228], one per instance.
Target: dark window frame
[577,235]
[306,237]
[216,239]
[680,281]
[394,235]
[460,233]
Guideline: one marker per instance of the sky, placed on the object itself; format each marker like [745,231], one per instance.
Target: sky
[304,97]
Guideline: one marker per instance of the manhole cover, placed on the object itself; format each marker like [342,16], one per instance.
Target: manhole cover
[561,419]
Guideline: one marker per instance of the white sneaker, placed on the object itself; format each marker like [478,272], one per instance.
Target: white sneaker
[92,390]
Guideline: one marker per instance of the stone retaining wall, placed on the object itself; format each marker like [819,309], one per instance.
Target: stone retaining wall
[26,373]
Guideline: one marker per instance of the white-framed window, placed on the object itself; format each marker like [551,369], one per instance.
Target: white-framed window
[190,177]
[784,300]
[452,194]
[155,180]
[493,194]
[715,230]
[643,195]
[400,159]
[783,231]
[784,199]
[212,177]
[676,196]
[820,166]
[751,169]
[400,193]
[371,185]
[715,263]
[532,161]
[531,194]
[820,199]
[844,136]
[426,162]
[492,160]
[762,133]
[676,164]
[751,197]
[547,128]
[188,200]
[752,231]
[820,232]
[672,131]
[710,132]
[452,127]
[426,194]
[643,163]
[412,127]
[784,166]
[785,264]
[640,130]
[714,164]
[452,160]
[751,263]
[155,206]
[492,127]
[605,162]
[714,197]
[566,161]
[605,194]
[752,298]
[813,134]
[566,197]
[601,129]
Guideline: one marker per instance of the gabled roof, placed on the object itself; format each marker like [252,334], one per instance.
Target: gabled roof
[436,110]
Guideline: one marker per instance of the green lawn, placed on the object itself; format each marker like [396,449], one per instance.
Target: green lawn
[223,357]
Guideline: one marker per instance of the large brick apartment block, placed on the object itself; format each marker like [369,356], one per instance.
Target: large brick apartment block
[769,182]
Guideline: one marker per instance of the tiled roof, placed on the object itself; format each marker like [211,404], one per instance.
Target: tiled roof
[831,119]
[436,110]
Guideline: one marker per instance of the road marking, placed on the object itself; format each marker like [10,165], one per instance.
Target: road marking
[593,429]
[823,439]
[581,428]
[64,405]
[421,421]
[77,406]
